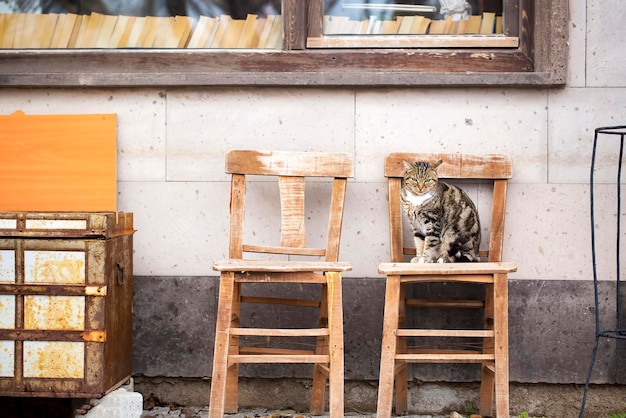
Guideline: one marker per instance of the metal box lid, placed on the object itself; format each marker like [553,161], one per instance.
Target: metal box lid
[66,224]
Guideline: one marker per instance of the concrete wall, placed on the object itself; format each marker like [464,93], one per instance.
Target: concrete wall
[172,144]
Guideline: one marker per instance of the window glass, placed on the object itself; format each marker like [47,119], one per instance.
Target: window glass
[431,17]
[140,24]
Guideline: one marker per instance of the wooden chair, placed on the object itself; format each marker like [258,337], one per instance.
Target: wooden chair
[326,355]
[492,354]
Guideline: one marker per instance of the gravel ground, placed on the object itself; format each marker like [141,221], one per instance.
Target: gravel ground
[203,412]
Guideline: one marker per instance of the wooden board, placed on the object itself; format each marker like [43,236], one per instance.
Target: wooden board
[58,162]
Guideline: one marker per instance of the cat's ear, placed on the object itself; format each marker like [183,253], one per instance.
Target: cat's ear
[435,165]
[407,165]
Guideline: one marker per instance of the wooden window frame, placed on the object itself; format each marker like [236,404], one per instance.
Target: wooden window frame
[539,60]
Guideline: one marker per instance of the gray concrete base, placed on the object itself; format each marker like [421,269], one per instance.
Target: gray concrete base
[541,400]
[123,402]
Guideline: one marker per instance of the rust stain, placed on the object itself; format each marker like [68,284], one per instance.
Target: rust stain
[53,359]
[94,336]
[7,356]
[7,312]
[7,266]
[55,267]
[54,312]
[95,290]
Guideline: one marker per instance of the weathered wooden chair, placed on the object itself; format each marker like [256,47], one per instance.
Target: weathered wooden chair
[326,355]
[492,353]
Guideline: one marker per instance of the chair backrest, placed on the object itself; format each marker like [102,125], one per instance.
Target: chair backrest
[291,169]
[492,168]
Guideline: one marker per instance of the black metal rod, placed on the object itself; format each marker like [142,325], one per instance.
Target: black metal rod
[618,332]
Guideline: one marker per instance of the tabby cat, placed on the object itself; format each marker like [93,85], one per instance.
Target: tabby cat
[444,219]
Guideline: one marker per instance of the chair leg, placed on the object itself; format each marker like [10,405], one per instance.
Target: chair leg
[335,346]
[320,375]
[401,369]
[389,346]
[501,328]
[220,355]
[487,378]
[231,404]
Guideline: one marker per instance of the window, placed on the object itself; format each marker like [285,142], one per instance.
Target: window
[524,44]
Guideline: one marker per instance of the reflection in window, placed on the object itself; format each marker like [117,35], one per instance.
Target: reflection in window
[140,24]
[374,17]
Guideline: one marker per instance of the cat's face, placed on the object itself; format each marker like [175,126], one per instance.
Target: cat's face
[420,177]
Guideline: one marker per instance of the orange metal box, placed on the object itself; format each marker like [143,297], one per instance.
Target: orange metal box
[66,288]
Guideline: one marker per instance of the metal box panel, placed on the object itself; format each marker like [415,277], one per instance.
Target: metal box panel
[65,303]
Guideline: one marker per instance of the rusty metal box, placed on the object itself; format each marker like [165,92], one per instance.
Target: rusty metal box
[66,288]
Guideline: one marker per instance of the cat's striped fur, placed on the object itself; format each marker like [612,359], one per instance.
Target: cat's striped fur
[444,219]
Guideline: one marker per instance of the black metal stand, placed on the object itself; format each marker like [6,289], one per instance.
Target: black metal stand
[619,330]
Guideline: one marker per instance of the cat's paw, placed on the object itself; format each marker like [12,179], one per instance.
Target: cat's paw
[441,260]
[419,260]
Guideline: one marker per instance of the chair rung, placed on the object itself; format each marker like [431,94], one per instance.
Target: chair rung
[271,266]
[411,350]
[273,350]
[445,333]
[281,301]
[445,303]
[277,332]
[460,278]
[280,277]
[445,358]
[273,358]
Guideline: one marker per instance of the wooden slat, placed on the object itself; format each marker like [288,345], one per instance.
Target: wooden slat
[412,350]
[275,332]
[251,358]
[282,277]
[280,301]
[496,235]
[445,333]
[445,303]
[279,266]
[446,268]
[433,278]
[237,215]
[267,249]
[445,358]
[292,226]
[333,236]
[275,351]
[484,254]
[395,220]
[309,164]
[458,166]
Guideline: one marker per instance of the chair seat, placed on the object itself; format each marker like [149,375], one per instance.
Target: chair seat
[279,266]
